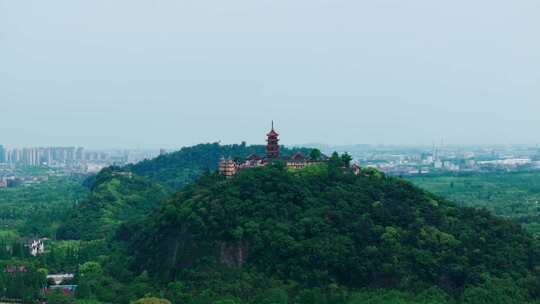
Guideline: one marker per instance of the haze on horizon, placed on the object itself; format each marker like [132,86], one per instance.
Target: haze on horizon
[171,73]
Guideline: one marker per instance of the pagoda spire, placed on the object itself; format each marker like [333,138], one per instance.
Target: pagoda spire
[272,146]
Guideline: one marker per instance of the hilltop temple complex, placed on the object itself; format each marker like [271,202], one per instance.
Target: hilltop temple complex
[229,167]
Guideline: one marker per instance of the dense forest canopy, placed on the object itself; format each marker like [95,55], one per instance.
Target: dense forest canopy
[515,195]
[172,230]
[117,196]
[324,225]
[39,209]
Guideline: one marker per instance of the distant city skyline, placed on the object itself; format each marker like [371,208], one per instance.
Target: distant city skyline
[167,74]
[395,160]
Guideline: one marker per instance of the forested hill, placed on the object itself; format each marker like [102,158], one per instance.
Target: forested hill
[124,194]
[274,235]
[180,168]
[117,196]
[323,226]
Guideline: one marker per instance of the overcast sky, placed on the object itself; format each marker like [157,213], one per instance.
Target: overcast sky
[129,73]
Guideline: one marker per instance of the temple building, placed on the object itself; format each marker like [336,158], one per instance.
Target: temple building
[229,167]
[272,146]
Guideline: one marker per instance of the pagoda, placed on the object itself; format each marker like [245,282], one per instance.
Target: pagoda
[272,146]
[229,167]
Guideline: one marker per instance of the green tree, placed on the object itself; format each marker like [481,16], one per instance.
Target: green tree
[152,301]
[495,291]
[275,296]
[58,296]
[346,160]
[315,154]
[90,278]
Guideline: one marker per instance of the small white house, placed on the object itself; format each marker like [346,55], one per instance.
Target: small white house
[60,278]
[37,247]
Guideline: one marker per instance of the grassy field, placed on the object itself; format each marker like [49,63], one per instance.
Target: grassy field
[515,195]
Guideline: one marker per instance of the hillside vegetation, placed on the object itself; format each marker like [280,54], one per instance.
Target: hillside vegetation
[38,209]
[116,197]
[172,229]
[515,195]
[324,226]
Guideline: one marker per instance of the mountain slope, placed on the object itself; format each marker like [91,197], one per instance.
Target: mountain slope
[324,225]
[117,196]
[126,194]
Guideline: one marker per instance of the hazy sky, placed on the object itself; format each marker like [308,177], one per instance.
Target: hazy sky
[151,73]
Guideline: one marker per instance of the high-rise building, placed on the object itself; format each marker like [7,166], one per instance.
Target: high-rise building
[31,157]
[2,154]
[14,156]
[79,155]
[47,156]
[70,154]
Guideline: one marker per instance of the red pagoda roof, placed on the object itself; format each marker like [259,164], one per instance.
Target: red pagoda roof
[298,156]
[272,133]
[253,157]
